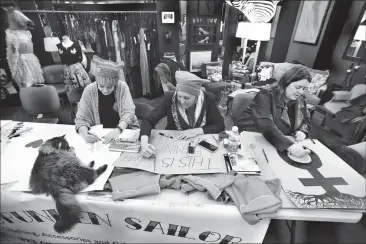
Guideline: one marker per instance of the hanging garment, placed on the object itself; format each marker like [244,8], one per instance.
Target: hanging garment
[24,65]
[122,46]
[102,40]
[108,28]
[117,45]
[74,72]
[145,78]
[110,42]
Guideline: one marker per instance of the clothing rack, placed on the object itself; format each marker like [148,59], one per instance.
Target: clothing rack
[65,11]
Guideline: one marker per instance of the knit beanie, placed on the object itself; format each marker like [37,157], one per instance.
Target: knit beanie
[188,82]
[106,70]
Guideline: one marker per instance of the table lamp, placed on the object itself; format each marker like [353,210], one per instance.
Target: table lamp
[254,31]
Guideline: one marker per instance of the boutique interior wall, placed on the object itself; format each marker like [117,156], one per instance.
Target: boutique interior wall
[327,54]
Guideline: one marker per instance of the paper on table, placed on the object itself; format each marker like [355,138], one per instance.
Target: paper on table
[16,159]
[129,135]
[86,152]
[172,157]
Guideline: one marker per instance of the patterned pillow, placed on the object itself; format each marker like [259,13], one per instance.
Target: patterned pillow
[265,73]
[318,79]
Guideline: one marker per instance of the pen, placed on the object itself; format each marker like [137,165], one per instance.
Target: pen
[215,139]
[94,135]
[165,135]
[265,155]
[312,140]
[20,132]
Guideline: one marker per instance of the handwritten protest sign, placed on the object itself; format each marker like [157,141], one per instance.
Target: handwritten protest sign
[172,156]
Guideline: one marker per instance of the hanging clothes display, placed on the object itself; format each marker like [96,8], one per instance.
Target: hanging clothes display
[116,36]
[74,72]
[144,66]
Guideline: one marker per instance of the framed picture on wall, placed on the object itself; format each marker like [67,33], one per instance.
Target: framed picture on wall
[311,21]
[167,17]
[197,58]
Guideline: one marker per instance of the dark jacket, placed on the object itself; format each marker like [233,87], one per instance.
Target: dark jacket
[214,120]
[269,115]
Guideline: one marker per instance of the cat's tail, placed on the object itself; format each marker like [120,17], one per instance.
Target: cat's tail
[68,208]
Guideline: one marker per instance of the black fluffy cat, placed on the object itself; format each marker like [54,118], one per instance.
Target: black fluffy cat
[58,172]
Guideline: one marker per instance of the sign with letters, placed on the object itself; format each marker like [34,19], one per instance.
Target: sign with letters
[326,182]
[30,218]
[172,156]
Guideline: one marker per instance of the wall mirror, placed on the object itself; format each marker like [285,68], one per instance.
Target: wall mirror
[356,47]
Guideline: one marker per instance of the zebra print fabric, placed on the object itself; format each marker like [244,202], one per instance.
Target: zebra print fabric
[256,11]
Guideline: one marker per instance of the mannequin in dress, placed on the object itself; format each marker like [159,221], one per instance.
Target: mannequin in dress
[23,64]
[72,56]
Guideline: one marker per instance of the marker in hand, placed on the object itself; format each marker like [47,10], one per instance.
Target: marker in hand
[165,135]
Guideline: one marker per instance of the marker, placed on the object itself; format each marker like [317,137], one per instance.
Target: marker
[94,135]
[312,140]
[265,154]
[20,132]
[216,140]
[165,135]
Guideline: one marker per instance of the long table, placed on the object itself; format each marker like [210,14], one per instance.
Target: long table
[170,216]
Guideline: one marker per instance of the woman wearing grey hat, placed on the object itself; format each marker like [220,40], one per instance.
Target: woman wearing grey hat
[188,109]
[107,101]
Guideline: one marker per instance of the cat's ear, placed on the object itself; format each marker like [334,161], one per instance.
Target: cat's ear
[63,136]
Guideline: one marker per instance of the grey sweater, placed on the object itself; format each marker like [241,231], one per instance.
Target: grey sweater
[88,112]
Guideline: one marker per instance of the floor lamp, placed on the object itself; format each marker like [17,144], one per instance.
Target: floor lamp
[254,31]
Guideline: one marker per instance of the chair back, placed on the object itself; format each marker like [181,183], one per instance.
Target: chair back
[54,74]
[142,110]
[40,100]
[358,90]
[240,102]
[75,94]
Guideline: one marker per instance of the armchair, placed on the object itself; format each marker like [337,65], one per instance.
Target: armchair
[355,156]
[346,113]
[54,76]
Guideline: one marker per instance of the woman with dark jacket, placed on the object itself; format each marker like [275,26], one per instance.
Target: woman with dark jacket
[281,111]
[188,109]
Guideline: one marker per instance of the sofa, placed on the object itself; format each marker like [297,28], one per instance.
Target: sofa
[317,86]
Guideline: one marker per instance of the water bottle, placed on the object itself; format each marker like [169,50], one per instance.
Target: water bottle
[234,140]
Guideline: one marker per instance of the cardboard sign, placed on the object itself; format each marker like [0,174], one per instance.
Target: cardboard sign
[326,182]
[172,156]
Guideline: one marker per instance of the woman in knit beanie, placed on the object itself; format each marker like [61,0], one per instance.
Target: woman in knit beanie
[107,101]
[188,109]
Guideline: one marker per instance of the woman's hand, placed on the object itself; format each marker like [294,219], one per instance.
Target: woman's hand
[111,136]
[300,136]
[147,150]
[89,137]
[298,150]
[190,133]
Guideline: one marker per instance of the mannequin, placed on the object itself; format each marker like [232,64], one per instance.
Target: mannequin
[72,56]
[23,64]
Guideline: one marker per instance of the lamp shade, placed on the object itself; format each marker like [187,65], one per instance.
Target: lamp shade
[254,31]
[360,33]
[257,11]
